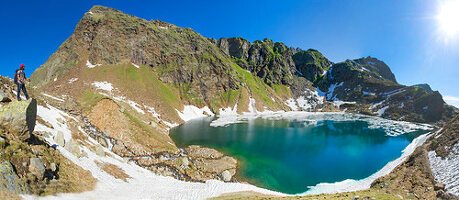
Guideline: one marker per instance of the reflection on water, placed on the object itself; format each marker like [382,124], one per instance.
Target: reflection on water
[288,156]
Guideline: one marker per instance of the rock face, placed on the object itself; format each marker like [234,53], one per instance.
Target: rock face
[19,118]
[9,180]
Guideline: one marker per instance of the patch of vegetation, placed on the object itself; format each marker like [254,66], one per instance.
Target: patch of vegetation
[89,98]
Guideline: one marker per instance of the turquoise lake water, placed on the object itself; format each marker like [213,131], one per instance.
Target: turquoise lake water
[290,155]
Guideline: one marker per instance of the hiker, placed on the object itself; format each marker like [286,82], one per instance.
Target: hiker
[19,79]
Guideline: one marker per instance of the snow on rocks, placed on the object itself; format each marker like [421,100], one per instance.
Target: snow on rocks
[381,111]
[73,80]
[376,104]
[57,119]
[446,170]
[192,112]
[291,104]
[89,65]
[152,111]
[103,86]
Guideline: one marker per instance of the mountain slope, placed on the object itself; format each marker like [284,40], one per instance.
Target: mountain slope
[177,66]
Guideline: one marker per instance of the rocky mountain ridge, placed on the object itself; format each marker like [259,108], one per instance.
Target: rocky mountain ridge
[230,71]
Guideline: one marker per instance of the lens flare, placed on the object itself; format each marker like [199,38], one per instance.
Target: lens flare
[448,18]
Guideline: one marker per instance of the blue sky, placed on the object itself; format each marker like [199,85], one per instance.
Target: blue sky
[404,34]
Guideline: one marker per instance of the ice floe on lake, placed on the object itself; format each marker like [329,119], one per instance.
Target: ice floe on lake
[392,128]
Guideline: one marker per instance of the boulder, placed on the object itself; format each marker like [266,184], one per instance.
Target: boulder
[100,150]
[59,139]
[10,181]
[2,142]
[19,118]
[4,97]
[73,147]
[37,168]
[226,176]
[102,142]
[53,167]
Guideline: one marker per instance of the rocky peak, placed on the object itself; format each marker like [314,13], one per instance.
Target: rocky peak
[425,86]
[311,64]
[377,66]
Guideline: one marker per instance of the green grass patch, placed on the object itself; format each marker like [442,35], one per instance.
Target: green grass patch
[89,98]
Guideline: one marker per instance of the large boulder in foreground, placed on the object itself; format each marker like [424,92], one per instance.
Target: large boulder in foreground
[10,181]
[18,118]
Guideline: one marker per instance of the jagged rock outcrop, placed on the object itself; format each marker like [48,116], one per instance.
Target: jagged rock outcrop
[18,118]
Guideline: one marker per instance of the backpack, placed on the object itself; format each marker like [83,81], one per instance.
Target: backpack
[16,77]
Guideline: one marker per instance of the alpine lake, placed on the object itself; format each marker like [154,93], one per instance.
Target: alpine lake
[289,155]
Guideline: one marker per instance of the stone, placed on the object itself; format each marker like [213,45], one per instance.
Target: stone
[37,168]
[19,118]
[53,167]
[2,142]
[100,150]
[102,141]
[162,158]
[73,147]
[4,97]
[10,181]
[60,120]
[356,197]
[107,132]
[439,186]
[59,139]
[226,176]
[185,161]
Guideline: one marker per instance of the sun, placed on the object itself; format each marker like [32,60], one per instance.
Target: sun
[448,18]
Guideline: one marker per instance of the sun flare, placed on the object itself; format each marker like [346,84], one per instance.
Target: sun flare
[448,18]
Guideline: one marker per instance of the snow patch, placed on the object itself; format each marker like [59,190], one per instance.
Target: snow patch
[381,111]
[192,112]
[135,106]
[89,65]
[252,108]
[152,111]
[228,111]
[291,104]
[103,86]
[446,170]
[138,67]
[331,90]
[368,93]
[52,97]
[73,80]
